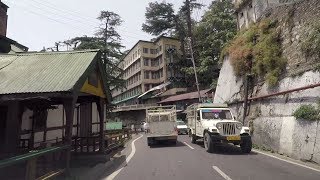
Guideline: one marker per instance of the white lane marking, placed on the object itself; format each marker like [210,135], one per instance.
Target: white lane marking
[133,151]
[288,161]
[221,173]
[188,145]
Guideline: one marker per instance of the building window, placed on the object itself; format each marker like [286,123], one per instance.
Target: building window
[139,64]
[241,15]
[138,52]
[145,50]
[153,51]
[146,62]
[146,87]
[154,62]
[161,73]
[155,75]
[146,74]
[160,48]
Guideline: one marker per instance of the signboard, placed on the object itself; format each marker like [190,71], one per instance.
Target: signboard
[113,125]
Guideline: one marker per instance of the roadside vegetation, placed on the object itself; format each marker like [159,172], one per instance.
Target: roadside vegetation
[257,50]
[307,112]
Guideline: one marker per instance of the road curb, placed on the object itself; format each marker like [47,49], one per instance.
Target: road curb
[310,166]
[100,169]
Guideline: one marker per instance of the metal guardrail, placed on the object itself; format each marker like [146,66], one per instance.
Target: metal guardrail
[31,163]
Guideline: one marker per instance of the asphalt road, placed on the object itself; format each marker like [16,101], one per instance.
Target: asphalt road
[192,162]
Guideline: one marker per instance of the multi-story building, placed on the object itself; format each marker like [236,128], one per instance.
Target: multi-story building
[148,66]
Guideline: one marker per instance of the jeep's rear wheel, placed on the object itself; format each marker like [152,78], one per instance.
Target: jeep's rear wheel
[246,146]
[208,144]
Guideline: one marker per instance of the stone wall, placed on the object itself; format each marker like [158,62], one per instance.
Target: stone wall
[295,23]
[272,123]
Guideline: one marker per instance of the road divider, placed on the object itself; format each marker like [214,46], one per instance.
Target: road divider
[221,173]
[188,145]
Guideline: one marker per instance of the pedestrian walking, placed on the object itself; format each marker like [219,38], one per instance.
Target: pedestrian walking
[146,127]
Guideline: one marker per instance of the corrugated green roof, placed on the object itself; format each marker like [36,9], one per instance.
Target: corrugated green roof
[43,72]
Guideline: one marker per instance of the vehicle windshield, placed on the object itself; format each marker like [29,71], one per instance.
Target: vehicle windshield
[216,114]
[181,123]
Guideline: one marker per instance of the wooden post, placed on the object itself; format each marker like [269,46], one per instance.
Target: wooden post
[12,135]
[69,106]
[100,107]
[88,144]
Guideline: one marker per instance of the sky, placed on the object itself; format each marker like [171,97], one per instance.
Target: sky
[41,23]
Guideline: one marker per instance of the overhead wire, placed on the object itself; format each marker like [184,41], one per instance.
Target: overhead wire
[93,21]
[74,27]
[73,21]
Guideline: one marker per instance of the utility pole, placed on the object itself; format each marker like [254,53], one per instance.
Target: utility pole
[189,23]
[191,43]
[195,70]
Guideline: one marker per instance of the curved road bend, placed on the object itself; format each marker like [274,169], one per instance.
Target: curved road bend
[187,161]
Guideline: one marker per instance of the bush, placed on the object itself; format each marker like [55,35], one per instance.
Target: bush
[307,112]
[258,48]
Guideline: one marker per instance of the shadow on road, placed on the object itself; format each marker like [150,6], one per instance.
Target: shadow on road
[164,144]
[227,149]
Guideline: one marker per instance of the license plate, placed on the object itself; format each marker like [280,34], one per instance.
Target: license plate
[233,138]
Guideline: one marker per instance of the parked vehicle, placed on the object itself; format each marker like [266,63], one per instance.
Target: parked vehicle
[216,124]
[162,124]
[182,127]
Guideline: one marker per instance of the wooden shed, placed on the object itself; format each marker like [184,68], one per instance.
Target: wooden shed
[51,99]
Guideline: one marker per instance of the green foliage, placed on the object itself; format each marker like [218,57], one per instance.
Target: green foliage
[257,50]
[160,17]
[311,46]
[215,29]
[307,112]
[108,41]
[317,68]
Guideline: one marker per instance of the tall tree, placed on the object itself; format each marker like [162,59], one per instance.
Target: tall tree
[217,27]
[162,19]
[108,40]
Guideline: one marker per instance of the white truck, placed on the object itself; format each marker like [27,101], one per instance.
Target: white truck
[162,124]
[216,124]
